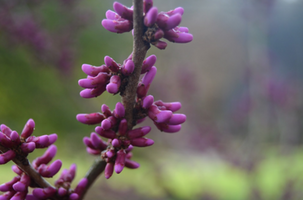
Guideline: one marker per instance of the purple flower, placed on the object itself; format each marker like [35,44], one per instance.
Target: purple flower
[158,24]
[108,77]
[23,144]
[116,151]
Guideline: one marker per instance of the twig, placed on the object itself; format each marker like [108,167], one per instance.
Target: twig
[96,169]
[139,51]
[28,169]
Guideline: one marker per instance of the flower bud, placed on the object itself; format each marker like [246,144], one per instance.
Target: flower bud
[91,82]
[22,184]
[151,17]
[62,192]
[7,195]
[148,101]
[110,134]
[109,169]
[51,170]
[172,106]
[157,115]
[106,124]
[110,153]
[181,29]
[48,155]
[168,128]
[7,156]
[5,141]
[14,137]
[90,93]
[19,196]
[105,110]
[142,142]
[147,5]
[122,127]
[28,147]
[28,129]
[129,148]
[87,141]
[177,119]
[148,63]
[116,143]
[166,22]
[93,151]
[179,10]
[17,170]
[81,186]
[97,142]
[159,44]
[92,118]
[111,64]
[69,177]
[131,164]
[128,68]
[9,185]
[158,34]
[120,161]
[114,84]
[44,193]
[117,26]
[143,87]
[177,36]
[5,129]
[73,196]
[92,70]
[138,132]
[112,15]
[123,11]
[119,110]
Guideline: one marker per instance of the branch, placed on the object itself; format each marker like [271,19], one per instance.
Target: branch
[27,168]
[96,169]
[128,99]
[139,51]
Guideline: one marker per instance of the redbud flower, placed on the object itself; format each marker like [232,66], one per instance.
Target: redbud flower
[7,156]
[107,77]
[44,193]
[158,24]
[22,184]
[148,63]
[48,155]
[81,186]
[146,81]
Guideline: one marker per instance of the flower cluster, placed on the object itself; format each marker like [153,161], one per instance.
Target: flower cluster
[113,78]
[15,146]
[113,126]
[107,77]
[117,126]
[117,150]
[158,24]
[161,113]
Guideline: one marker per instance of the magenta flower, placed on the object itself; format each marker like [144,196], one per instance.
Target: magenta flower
[158,24]
[117,150]
[108,77]
[23,144]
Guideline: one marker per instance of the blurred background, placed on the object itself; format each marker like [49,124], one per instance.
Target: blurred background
[240,82]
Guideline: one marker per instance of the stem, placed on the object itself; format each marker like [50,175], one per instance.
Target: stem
[28,169]
[139,51]
[128,99]
[96,169]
